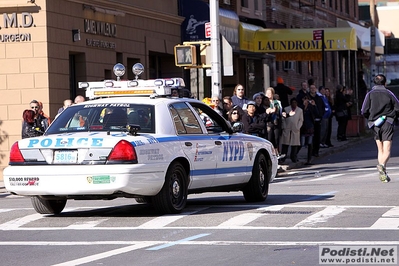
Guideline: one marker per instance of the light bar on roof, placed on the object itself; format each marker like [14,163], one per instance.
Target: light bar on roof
[112,88]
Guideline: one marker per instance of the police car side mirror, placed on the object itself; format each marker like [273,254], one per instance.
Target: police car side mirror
[237,127]
[133,129]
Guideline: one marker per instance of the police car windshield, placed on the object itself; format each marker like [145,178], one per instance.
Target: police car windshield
[104,117]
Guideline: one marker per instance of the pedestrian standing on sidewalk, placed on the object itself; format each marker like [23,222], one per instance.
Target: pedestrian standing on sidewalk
[292,120]
[310,111]
[318,100]
[381,108]
[329,127]
[341,112]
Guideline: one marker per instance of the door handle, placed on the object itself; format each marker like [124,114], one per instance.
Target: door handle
[218,142]
[189,144]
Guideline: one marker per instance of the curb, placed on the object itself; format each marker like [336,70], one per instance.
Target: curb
[285,168]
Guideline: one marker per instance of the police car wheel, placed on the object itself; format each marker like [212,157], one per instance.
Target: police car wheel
[257,188]
[173,196]
[44,206]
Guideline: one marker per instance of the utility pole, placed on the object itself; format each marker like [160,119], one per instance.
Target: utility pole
[216,77]
[372,42]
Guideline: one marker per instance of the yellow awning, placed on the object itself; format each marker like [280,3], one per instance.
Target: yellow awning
[247,33]
[301,40]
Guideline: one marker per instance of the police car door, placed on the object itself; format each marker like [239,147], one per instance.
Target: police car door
[198,146]
[230,152]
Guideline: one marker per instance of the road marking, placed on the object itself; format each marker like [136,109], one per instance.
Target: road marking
[6,210]
[322,178]
[319,196]
[246,218]
[16,223]
[103,255]
[240,222]
[167,219]
[321,216]
[213,243]
[389,220]
[178,242]
[86,224]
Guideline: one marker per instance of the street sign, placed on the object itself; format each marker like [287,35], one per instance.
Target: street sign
[208,30]
[318,35]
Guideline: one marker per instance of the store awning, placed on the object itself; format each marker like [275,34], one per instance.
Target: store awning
[301,40]
[363,36]
[247,33]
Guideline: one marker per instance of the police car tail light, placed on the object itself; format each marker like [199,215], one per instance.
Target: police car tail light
[15,154]
[123,151]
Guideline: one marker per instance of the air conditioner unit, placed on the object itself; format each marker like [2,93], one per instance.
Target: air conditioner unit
[289,65]
[227,2]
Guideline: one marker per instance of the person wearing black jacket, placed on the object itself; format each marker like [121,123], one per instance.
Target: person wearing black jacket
[30,126]
[254,123]
[319,104]
[310,111]
[381,108]
[341,112]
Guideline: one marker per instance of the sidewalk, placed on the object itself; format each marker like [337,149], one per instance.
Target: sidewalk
[338,146]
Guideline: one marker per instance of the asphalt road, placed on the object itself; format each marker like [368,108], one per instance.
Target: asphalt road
[337,202]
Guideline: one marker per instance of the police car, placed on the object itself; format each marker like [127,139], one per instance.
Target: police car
[133,140]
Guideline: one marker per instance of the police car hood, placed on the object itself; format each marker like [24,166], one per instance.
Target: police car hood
[88,147]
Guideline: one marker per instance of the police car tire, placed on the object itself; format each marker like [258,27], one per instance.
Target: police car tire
[173,196]
[44,206]
[257,188]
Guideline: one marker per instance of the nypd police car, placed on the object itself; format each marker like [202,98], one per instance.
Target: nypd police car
[133,140]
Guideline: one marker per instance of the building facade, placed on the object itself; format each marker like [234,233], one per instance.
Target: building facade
[48,46]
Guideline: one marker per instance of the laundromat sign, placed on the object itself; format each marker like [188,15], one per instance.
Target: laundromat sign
[17,21]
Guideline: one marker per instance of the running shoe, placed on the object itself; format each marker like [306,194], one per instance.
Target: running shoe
[383,174]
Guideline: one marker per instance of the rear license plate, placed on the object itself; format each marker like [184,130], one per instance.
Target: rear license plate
[65,157]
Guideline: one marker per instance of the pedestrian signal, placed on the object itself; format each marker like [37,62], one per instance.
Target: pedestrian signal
[185,55]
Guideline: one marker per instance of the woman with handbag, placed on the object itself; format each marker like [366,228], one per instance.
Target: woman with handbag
[341,112]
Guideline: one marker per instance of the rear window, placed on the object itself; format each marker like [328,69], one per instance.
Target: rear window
[104,117]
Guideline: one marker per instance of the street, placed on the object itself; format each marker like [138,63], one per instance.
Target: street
[337,201]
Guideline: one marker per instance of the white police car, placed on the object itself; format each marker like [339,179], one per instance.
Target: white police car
[157,149]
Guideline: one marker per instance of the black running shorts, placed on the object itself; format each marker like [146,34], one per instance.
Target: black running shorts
[385,132]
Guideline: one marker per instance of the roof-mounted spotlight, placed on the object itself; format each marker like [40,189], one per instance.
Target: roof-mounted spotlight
[138,69]
[119,71]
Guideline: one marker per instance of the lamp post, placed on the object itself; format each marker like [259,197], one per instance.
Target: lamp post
[216,76]
[372,41]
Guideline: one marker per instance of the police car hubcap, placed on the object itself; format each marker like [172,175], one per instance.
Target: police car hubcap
[261,179]
[176,189]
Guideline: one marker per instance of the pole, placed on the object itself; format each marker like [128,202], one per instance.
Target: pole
[215,47]
[372,42]
[323,53]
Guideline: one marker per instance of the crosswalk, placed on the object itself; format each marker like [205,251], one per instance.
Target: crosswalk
[220,217]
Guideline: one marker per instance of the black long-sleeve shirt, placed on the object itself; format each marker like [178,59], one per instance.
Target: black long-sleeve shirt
[380,102]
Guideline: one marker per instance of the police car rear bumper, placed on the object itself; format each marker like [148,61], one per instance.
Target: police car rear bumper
[85,179]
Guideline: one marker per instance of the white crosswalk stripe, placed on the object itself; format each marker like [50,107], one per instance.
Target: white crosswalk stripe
[316,217]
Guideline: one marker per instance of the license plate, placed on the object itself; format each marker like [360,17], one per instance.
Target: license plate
[64,157]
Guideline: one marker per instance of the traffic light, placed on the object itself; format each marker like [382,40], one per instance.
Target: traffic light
[185,55]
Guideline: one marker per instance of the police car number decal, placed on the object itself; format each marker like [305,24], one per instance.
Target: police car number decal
[66,156]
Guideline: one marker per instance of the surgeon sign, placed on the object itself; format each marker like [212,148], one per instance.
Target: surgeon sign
[233,151]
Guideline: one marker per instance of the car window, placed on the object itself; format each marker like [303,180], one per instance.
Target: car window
[213,122]
[184,119]
[104,117]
